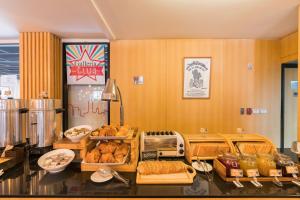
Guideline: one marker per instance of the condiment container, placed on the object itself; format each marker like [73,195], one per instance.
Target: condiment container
[282,161]
[247,162]
[265,162]
[230,161]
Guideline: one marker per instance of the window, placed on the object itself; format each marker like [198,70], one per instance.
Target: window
[9,71]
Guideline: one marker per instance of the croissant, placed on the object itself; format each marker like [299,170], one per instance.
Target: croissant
[93,156]
[122,149]
[107,158]
[160,167]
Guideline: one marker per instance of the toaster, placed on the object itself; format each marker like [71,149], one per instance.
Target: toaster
[162,143]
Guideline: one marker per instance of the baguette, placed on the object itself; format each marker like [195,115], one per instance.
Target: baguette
[160,167]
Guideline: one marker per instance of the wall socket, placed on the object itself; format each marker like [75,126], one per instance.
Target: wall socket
[203,130]
[239,130]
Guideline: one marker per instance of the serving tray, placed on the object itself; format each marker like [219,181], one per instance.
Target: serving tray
[221,170]
[176,178]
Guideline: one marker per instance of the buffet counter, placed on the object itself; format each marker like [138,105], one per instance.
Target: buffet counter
[27,180]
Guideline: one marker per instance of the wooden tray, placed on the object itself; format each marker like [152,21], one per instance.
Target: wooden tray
[246,137]
[221,170]
[203,139]
[126,167]
[128,136]
[65,143]
[178,178]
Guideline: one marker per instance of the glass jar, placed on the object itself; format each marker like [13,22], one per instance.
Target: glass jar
[265,162]
[230,161]
[282,161]
[247,162]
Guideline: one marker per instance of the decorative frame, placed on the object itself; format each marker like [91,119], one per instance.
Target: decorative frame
[196,77]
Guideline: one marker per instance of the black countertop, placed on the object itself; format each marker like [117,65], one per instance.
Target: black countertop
[28,180]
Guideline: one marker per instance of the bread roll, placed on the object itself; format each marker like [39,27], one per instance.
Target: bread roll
[107,158]
[160,167]
[122,149]
[93,156]
[254,147]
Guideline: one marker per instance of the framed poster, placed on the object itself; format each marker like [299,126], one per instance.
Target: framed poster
[85,64]
[196,81]
[85,71]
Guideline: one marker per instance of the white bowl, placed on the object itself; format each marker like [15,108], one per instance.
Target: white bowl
[78,137]
[59,168]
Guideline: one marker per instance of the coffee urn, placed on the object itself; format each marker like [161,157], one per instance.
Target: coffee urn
[42,121]
[10,121]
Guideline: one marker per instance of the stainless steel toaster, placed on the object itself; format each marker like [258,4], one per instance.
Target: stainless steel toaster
[164,143]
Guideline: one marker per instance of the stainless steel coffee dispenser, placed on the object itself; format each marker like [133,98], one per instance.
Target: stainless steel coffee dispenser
[10,121]
[42,121]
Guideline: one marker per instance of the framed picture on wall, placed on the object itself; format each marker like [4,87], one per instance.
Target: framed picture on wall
[196,77]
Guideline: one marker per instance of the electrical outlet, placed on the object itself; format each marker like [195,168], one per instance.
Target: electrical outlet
[255,111]
[249,111]
[263,111]
[203,130]
[242,111]
[239,130]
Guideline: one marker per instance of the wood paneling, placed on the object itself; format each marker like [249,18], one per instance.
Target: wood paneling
[158,104]
[289,48]
[189,115]
[145,105]
[41,66]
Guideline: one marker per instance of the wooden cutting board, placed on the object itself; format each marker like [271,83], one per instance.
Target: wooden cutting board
[176,178]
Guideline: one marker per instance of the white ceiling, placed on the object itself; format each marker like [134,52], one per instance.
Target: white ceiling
[140,19]
[66,18]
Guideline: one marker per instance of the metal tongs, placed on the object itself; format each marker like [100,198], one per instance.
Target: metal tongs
[277,182]
[204,167]
[296,180]
[254,181]
[107,170]
[237,182]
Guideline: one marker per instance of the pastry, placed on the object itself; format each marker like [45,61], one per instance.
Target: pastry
[209,149]
[107,158]
[122,149]
[119,158]
[95,132]
[108,147]
[254,147]
[111,131]
[160,167]
[93,156]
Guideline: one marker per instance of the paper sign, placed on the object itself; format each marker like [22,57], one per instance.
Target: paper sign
[236,172]
[86,64]
[252,172]
[292,170]
[275,172]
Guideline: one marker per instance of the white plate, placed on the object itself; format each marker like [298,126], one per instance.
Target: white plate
[199,167]
[98,178]
[78,137]
[59,168]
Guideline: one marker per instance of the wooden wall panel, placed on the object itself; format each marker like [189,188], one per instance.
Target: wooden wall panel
[41,66]
[189,115]
[267,88]
[145,105]
[158,104]
[237,84]
[289,48]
